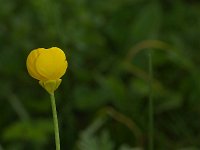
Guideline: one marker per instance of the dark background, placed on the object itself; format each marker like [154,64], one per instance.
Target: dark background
[102,102]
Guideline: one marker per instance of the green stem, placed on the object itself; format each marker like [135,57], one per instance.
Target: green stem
[55,121]
[151,114]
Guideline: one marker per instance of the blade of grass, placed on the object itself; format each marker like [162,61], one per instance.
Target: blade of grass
[1,148]
[151,114]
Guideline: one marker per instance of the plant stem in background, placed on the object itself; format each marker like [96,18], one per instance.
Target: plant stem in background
[55,121]
[151,114]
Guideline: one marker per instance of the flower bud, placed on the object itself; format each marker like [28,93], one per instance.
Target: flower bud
[47,66]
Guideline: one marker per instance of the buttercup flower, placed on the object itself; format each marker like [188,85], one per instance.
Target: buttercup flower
[47,66]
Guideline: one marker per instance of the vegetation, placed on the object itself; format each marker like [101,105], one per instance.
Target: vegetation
[102,102]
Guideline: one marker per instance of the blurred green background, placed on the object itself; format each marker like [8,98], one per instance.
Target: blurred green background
[102,102]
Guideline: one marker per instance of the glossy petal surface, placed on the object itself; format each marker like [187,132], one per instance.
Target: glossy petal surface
[47,64]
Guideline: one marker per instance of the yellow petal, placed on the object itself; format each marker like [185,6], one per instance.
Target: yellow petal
[51,63]
[30,63]
[62,62]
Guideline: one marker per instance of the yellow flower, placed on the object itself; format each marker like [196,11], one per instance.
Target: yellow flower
[47,66]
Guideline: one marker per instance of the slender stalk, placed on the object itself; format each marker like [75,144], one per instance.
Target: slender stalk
[151,114]
[55,121]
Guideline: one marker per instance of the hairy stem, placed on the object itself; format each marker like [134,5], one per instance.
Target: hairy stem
[55,121]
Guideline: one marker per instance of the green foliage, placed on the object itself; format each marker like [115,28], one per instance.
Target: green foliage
[106,43]
[36,131]
[89,141]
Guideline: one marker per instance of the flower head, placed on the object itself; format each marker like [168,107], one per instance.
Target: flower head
[47,66]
